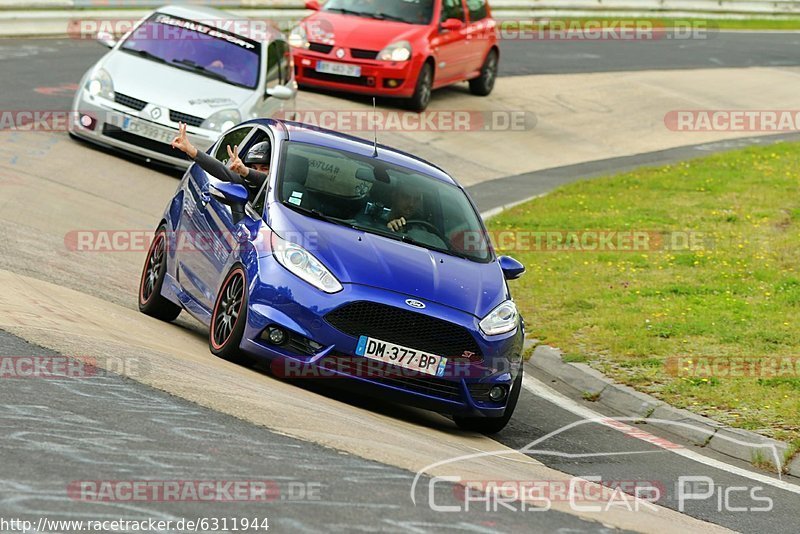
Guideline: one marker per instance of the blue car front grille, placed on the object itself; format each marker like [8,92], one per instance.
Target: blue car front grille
[406,328]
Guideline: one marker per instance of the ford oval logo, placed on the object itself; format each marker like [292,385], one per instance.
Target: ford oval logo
[415,304]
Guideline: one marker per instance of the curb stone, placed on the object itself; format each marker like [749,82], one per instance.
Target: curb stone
[698,430]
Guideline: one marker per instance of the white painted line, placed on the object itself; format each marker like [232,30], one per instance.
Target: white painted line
[542,390]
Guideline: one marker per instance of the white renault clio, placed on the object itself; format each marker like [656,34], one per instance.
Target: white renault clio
[182,64]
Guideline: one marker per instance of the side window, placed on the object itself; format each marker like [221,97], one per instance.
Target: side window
[477,10]
[233,138]
[260,199]
[284,60]
[273,65]
[452,9]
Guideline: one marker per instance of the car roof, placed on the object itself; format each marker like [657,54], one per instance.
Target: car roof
[308,133]
[266,31]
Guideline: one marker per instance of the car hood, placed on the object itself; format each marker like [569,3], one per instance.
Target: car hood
[171,87]
[362,258]
[350,31]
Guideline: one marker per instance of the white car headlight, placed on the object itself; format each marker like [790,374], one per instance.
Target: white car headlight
[100,84]
[298,38]
[399,51]
[222,121]
[504,318]
[303,264]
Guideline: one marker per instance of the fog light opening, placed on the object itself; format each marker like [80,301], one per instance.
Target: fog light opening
[276,336]
[87,121]
[497,393]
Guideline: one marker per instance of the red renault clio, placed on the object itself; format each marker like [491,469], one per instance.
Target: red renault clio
[396,48]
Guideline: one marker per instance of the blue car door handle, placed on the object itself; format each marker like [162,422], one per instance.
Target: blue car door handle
[205,198]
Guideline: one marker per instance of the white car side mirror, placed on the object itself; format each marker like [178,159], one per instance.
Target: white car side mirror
[106,39]
[281,91]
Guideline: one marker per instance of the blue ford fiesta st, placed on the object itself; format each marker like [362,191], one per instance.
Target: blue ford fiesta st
[353,262]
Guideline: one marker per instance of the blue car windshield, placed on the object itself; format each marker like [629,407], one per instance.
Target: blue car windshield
[381,198]
[409,11]
[198,48]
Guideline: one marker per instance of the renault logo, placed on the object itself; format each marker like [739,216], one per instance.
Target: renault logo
[340,53]
[155,113]
[415,304]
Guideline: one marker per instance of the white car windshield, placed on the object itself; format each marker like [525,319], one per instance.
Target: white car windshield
[198,48]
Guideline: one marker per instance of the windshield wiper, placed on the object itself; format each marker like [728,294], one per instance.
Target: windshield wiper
[145,54]
[315,213]
[385,16]
[346,11]
[201,69]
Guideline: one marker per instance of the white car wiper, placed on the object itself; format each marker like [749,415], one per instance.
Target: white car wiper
[145,54]
[201,69]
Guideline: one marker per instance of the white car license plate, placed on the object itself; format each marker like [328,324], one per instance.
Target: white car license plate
[147,130]
[342,69]
[400,356]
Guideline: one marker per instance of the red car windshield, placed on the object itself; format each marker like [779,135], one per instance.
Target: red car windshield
[409,11]
[197,47]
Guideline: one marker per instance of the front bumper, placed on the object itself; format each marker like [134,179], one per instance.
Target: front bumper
[380,78]
[317,350]
[106,131]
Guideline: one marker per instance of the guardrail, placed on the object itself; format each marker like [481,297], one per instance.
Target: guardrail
[499,7]
[52,17]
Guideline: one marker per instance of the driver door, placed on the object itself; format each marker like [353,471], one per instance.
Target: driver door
[451,46]
[207,229]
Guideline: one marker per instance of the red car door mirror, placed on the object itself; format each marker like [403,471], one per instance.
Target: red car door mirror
[452,25]
[312,5]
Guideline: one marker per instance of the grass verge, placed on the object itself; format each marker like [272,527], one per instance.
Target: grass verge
[715,280]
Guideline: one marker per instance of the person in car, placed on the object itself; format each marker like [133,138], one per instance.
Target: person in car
[252,172]
[406,205]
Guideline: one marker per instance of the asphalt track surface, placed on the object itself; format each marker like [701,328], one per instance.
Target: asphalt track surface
[108,427]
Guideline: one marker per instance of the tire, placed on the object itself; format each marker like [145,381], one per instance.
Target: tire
[423,89]
[483,84]
[151,302]
[229,318]
[492,425]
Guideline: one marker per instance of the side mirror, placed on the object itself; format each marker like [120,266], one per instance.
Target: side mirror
[281,91]
[312,5]
[106,39]
[230,194]
[512,269]
[452,25]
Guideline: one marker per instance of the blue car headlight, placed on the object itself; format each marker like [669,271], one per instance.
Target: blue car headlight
[504,318]
[303,264]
